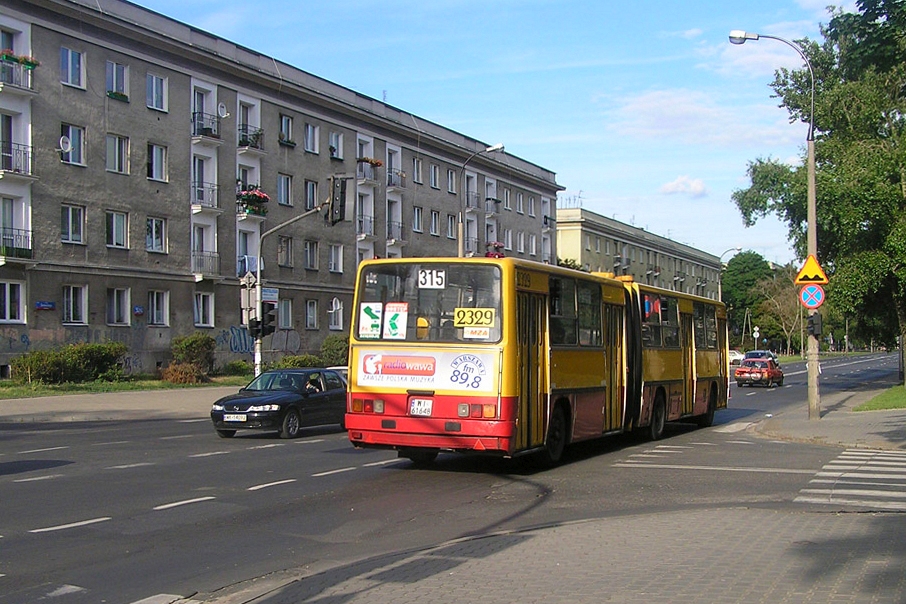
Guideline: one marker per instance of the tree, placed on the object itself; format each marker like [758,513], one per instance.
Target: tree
[860,119]
[737,283]
[779,312]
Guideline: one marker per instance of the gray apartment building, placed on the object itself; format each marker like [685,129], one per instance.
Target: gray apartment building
[144,166]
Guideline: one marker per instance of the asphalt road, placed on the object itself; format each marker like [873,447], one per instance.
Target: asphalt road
[120,511]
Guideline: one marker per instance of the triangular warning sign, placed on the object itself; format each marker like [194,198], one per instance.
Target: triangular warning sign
[811,273]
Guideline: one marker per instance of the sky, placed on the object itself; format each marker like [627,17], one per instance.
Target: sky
[643,109]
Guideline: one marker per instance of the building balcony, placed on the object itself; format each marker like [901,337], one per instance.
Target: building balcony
[366,173]
[471,201]
[395,233]
[205,197]
[15,245]
[251,139]
[396,179]
[206,264]
[364,228]
[15,160]
[246,264]
[206,129]
[547,223]
[470,246]
[15,78]
[491,206]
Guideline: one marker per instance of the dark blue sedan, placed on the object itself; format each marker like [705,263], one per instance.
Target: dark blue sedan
[284,400]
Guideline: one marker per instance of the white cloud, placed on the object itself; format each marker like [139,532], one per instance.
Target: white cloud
[694,187]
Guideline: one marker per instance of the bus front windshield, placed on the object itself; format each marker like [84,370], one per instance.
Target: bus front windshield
[436,302]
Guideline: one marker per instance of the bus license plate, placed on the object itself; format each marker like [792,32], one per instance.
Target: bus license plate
[420,406]
[235,417]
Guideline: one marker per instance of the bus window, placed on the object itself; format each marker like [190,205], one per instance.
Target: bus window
[670,322]
[432,302]
[589,298]
[562,311]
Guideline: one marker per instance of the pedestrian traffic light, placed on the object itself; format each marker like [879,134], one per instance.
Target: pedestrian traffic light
[268,318]
[336,209]
[254,328]
[814,325]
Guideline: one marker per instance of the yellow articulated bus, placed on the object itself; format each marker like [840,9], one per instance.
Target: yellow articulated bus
[507,357]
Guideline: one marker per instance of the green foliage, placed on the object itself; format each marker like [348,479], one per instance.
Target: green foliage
[183,373]
[73,363]
[571,263]
[196,349]
[237,368]
[302,360]
[335,350]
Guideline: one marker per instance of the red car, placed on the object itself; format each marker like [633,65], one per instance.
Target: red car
[758,371]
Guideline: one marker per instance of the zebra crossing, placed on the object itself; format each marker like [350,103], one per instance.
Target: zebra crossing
[860,478]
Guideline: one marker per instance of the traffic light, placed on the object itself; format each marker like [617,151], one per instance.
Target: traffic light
[254,327]
[336,209]
[814,325]
[268,318]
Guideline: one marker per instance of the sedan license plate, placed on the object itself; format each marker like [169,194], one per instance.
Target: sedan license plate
[420,406]
[235,417]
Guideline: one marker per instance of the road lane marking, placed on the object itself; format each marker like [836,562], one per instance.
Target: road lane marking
[42,450]
[329,472]
[309,442]
[735,427]
[36,478]
[176,504]
[177,436]
[129,466]
[271,446]
[271,484]
[61,527]
[114,442]
[210,454]
[383,463]
[660,466]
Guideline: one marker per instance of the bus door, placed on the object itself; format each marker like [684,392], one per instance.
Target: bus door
[613,354]
[531,365]
[688,363]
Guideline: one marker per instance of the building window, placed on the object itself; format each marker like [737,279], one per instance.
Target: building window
[533,245]
[285,251]
[156,92]
[117,154]
[117,306]
[76,136]
[158,308]
[286,130]
[71,66]
[75,298]
[285,313]
[117,229]
[284,189]
[520,242]
[117,86]
[335,315]
[335,140]
[417,170]
[204,310]
[336,258]
[506,199]
[156,235]
[311,138]
[417,219]
[531,206]
[435,176]
[311,255]
[508,239]
[519,204]
[72,224]
[157,162]
[311,194]
[451,181]
[435,222]
[451,226]
[311,314]
[10,302]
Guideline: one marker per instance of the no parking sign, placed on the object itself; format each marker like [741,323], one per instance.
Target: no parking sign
[811,296]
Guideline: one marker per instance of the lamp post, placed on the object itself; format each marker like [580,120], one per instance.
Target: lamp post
[720,271]
[814,400]
[460,234]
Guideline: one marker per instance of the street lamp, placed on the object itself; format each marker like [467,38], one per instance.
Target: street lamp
[720,271]
[460,235]
[814,401]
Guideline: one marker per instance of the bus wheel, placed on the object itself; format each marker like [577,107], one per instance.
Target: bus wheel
[226,433]
[658,418]
[705,421]
[419,457]
[556,437]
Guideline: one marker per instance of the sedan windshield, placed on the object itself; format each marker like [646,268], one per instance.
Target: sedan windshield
[277,381]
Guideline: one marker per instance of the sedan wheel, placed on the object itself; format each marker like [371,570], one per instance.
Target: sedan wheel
[291,424]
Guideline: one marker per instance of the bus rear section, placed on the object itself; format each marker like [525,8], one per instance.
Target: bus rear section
[426,359]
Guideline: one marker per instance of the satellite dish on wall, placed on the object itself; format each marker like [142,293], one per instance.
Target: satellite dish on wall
[65,144]
[222,111]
